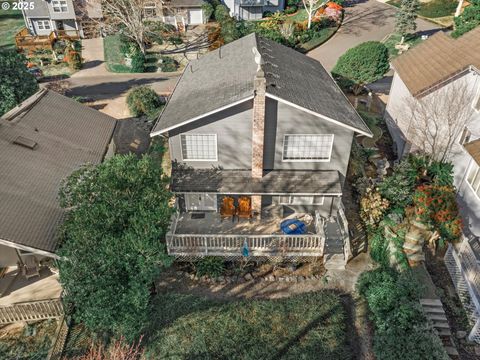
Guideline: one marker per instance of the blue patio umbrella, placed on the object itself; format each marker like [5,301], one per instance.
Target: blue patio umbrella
[245,249]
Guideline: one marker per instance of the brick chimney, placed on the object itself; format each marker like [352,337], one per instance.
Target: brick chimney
[258,127]
[258,121]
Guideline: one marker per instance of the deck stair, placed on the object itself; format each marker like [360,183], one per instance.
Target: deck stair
[435,313]
[334,258]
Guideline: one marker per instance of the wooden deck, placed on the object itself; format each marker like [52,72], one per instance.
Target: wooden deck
[212,236]
[25,41]
[34,299]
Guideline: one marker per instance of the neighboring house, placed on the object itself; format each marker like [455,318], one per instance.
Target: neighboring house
[188,12]
[179,13]
[432,69]
[68,17]
[42,141]
[253,9]
[258,120]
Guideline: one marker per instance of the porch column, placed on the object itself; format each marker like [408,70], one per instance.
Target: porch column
[258,127]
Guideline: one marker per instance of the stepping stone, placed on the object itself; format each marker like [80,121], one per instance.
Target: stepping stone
[433,310]
[441,325]
[444,332]
[451,350]
[431,302]
[437,317]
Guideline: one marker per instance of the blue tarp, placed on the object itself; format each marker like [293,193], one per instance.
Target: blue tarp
[293,227]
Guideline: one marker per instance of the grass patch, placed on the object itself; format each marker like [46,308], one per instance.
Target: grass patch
[114,59]
[308,326]
[432,9]
[395,39]
[11,22]
[30,342]
[321,36]
[299,16]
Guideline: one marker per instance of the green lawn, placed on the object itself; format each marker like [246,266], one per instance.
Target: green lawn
[395,39]
[11,22]
[300,16]
[114,58]
[433,9]
[308,326]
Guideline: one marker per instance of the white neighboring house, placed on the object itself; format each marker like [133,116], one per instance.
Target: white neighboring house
[253,9]
[432,69]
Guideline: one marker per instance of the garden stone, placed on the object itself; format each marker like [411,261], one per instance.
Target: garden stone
[281,278]
[300,278]
[248,277]
[461,334]
[477,350]
[192,276]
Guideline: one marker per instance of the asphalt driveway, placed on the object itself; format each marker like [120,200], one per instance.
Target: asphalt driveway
[364,20]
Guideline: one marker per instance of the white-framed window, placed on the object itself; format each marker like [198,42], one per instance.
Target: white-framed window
[59,6]
[304,147]
[473,178]
[43,24]
[302,200]
[150,9]
[465,136]
[199,147]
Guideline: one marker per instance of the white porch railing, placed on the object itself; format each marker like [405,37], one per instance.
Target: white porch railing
[343,223]
[29,311]
[465,273]
[232,244]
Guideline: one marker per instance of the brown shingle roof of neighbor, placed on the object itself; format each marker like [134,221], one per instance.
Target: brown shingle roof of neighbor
[67,135]
[224,77]
[437,59]
[473,148]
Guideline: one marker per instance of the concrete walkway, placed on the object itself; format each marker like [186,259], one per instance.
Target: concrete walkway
[364,20]
[93,59]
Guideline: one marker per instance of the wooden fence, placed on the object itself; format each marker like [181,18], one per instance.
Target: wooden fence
[30,311]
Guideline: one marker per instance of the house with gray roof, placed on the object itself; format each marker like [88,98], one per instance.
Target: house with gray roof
[257,122]
[42,141]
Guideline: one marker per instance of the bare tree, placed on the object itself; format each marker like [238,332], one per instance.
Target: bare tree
[311,7]
[123,16]
[438,119]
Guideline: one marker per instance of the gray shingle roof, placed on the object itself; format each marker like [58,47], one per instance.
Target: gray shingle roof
[68,135]
[225,76]
[274,182]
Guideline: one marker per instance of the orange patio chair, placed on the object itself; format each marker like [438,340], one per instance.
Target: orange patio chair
[227,208]
[244,207]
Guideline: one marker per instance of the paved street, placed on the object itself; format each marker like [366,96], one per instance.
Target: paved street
[364,20]
[109,89]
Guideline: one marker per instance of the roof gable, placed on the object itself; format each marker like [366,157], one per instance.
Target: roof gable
[224,78]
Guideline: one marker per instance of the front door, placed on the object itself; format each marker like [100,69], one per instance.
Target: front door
[59,24]
[201,202]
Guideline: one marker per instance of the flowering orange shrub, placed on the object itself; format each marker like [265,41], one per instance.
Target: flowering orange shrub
[436,205]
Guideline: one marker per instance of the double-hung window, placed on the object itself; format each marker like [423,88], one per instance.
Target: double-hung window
[199,147]
[43,24]
[59,6]
[473,178]
[301,200]
[315,147]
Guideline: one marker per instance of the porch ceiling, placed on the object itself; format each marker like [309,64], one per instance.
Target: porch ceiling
[241,182]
